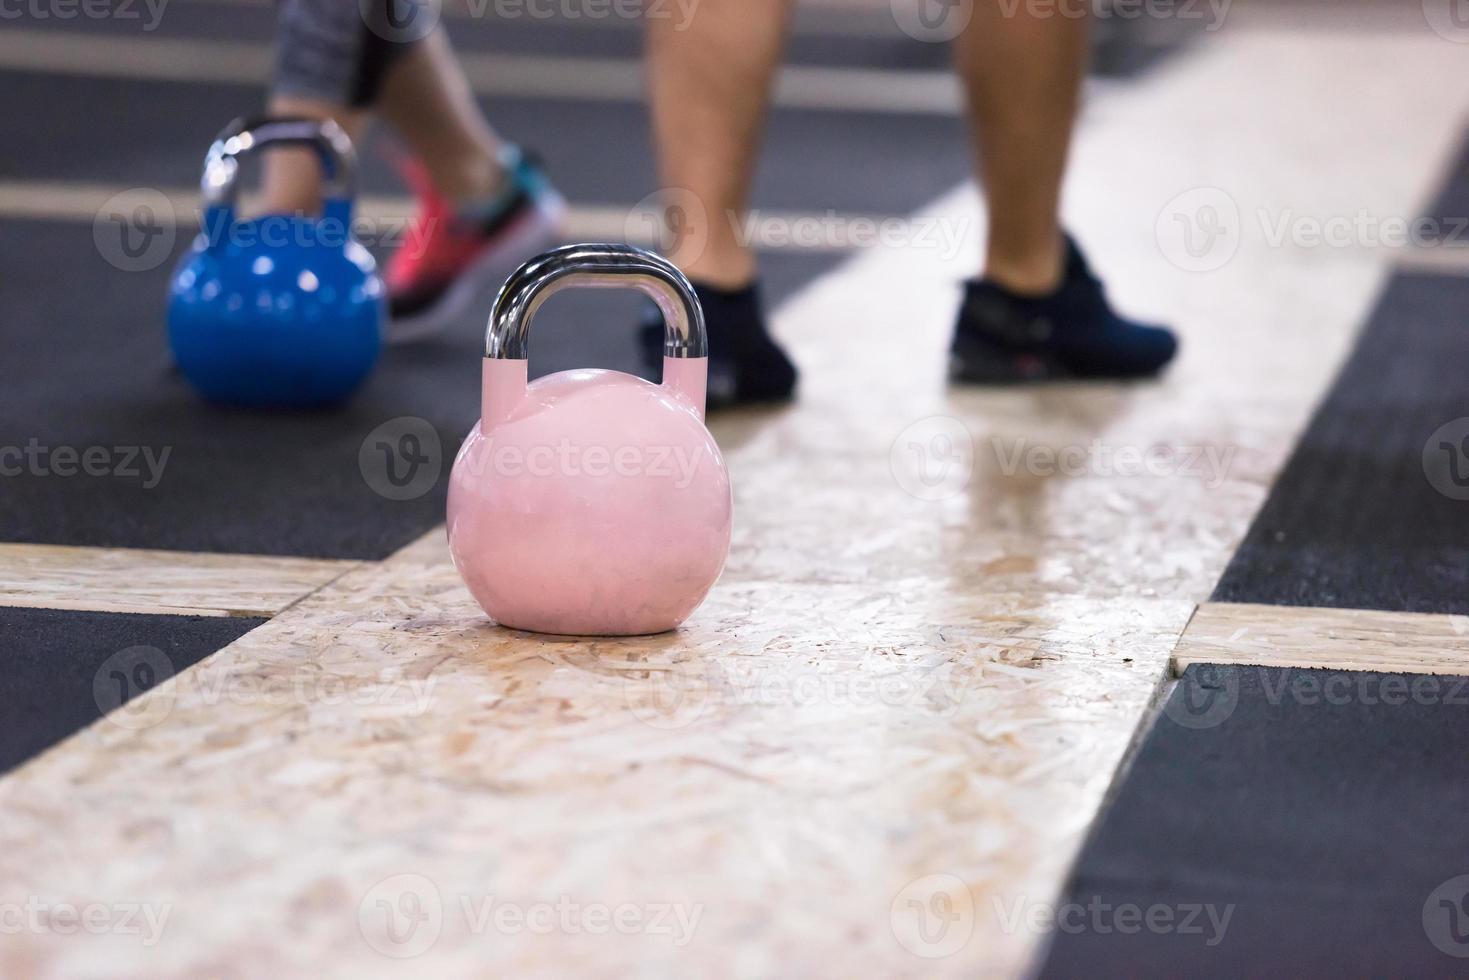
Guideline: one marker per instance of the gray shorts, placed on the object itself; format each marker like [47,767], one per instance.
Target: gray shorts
[339,51]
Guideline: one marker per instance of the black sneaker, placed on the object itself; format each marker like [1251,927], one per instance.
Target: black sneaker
[746,366]
[1005,338]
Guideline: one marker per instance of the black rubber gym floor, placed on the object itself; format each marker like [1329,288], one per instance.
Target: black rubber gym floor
[154,134]
[63,669]
[292,484]
[88,368]
[1282,822]
[1369,511]
[1121,48]
[588,33]
[1447,219]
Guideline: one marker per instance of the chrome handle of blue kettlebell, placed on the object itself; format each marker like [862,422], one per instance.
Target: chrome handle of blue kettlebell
[607,265]
[331,143]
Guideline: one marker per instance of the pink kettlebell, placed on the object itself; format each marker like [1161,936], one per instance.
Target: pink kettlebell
[591,502]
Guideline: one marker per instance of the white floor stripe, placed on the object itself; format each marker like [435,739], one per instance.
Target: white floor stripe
[1443,260]
[844,18]
[530,76]
[384,216]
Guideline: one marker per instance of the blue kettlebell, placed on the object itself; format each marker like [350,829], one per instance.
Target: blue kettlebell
[279,311]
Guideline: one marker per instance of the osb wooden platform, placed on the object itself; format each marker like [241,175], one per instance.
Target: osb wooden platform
[876,748]
[142,581]
[1334,639]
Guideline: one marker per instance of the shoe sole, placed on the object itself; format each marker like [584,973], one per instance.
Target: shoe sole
[1028,370]
[734,405]
[482,278]
[1009,373]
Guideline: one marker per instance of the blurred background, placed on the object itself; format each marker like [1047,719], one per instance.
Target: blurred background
[114,96]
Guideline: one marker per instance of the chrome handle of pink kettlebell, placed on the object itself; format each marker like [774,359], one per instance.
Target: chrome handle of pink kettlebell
[507,339]
[610,266]
[330,141]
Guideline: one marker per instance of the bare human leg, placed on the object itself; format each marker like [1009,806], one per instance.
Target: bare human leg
[1022,71]
[710,87]
[426,99]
